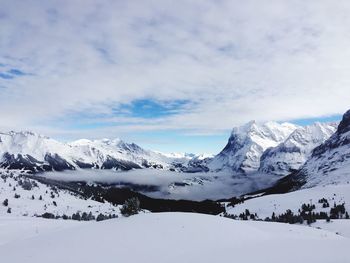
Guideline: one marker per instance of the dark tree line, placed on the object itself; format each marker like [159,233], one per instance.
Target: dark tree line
[305,214]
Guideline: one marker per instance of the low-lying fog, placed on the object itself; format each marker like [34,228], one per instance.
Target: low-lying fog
[172,185]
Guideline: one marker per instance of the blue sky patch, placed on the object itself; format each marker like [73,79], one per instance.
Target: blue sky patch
[6,76]
[308,121]
[148,108]
[16,72]
[12,73]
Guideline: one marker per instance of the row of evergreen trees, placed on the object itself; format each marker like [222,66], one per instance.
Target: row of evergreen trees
[305,214]
[79,216]
[130,207]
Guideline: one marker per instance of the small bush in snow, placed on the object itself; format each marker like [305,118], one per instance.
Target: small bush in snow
[17,196]
[9,210]
[6,202]
[65,217]
[130,207]
[27,185]
[48,215]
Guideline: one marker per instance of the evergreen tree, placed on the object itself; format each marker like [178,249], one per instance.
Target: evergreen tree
[273,217]
[100,217]
[131,207]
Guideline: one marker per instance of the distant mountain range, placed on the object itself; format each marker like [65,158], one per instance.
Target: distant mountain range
[307,155]
[36,153]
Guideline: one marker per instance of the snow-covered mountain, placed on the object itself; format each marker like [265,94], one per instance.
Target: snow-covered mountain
[329,162]
[291,154]
[34,152]
[247,143]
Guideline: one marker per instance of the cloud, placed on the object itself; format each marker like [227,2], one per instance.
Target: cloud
[232,61]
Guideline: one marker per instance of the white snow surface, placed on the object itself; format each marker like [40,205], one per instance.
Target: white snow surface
[296,149]
[167,238]
[247,143]
[339,226]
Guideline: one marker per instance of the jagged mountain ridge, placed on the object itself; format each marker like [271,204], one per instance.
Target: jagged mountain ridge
[247,143]
[268,147]
[329,163]
[291,154]
[34,152]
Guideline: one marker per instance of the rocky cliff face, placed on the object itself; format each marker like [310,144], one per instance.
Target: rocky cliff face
[291,154]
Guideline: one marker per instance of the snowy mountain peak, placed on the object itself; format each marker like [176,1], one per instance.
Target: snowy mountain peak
[247,143]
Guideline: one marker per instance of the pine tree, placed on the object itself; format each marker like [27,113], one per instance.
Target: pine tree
[100,217]
[130,207]
[273,217]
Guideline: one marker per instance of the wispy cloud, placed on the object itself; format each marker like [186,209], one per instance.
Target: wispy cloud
[230,61]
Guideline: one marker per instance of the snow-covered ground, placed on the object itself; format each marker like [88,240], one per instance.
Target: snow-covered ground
[174,185]
[166,238]
[16,228]
[264,206]
[44,199]
[339,226]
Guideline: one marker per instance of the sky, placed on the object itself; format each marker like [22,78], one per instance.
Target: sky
[174,76]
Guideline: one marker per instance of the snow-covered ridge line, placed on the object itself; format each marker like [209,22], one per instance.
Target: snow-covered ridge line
[329,162]
[34,152]
[291,154]
[270,147]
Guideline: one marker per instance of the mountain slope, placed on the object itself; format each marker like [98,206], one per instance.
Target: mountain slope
[329,162]
[294,151]
[29,197]
[247,143]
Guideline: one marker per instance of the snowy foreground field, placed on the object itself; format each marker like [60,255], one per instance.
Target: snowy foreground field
[167,237]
